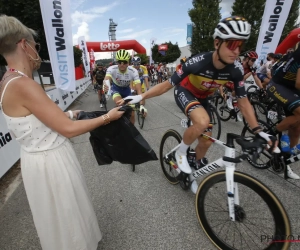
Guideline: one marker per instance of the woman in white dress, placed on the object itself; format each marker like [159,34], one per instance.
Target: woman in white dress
[55,187]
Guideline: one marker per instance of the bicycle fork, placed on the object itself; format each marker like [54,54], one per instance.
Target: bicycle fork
[232,187]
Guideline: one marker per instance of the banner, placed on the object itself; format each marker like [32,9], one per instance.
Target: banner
[163,47]
[189,33]
[58,30]
[92,59]
[273,21]
[85,56]
[152,43]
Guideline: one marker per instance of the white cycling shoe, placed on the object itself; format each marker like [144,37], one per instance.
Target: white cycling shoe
[182,162]
[291,174]
[229,103]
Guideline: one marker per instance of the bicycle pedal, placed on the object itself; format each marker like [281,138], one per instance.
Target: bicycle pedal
[182,176]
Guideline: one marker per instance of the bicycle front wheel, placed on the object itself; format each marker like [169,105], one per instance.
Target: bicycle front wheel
[261,221]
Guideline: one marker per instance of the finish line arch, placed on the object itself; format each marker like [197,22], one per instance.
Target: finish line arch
[112,46]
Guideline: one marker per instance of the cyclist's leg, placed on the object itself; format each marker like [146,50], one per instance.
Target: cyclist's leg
[203,144]
[195,111]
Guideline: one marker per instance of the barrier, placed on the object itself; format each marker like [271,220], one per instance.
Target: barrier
[10,148]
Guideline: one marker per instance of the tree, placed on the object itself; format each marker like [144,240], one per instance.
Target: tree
[205,16]
[77,56]
[253,11]
[144,58]
[291,22]
[172,54]
[30,15]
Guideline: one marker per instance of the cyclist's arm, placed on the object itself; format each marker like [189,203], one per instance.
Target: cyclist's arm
[163,87]
[257,81]
[243,102]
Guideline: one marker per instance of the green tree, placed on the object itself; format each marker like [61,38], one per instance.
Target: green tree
[144,58]
[172,54]
[253,11]
[77,56]
[205,16]
[29,13]
[291,22]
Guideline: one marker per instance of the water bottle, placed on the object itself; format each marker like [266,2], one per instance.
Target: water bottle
[235,105]
[191,157]
[285,143]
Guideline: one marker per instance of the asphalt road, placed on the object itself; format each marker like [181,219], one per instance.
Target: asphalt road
[141,209]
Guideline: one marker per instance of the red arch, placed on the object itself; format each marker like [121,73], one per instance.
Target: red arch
[115,46]
[289,42]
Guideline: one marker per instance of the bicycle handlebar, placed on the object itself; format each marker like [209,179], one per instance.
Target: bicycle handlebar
[252,146]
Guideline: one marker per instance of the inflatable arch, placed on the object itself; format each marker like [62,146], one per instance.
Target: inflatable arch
[289,42]
[115,46]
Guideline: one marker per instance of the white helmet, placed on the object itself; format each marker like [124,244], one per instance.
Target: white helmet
[233,27]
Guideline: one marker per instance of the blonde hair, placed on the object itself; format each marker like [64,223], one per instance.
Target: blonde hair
[11,32]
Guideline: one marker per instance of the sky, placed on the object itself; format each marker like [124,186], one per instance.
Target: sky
[141,20]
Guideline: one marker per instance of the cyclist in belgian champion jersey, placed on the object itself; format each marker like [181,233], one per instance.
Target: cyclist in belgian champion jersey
[121,76]
[199,77]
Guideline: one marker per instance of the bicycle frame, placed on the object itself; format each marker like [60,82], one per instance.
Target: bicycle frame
[232,188]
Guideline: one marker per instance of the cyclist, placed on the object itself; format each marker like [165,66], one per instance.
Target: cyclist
[200,77]
[284,88]
[121,76]
[249,69]
[264,72]
[143,74]
[98,75]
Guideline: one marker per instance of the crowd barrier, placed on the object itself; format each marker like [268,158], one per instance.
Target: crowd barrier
[9,147]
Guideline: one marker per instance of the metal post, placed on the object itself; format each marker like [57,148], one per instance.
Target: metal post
[112,34]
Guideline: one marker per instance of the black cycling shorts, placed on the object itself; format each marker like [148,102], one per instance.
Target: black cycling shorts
[187,103]
[288,98]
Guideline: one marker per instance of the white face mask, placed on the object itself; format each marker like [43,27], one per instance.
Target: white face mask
[36,61]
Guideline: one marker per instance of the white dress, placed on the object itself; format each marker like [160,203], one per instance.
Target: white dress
[62,210]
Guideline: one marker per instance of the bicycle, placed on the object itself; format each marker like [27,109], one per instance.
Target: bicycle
[234,210]
[103,99]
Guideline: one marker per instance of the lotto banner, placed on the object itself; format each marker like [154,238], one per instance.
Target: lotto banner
[85,57]
[273,21]
[58,29]
[189,33]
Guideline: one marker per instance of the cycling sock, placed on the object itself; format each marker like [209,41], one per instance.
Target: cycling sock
[183,147]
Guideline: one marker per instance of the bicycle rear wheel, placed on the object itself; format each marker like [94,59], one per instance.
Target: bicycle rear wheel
[255,198]
[221,107]
[216,122]
[169,141]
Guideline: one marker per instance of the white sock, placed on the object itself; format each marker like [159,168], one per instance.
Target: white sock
[183,148]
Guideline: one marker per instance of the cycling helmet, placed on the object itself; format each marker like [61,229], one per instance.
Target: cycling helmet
[251,54]
[233,27]
[136,60]
[122,55]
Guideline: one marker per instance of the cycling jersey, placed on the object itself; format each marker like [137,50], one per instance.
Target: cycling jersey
[143,72]
[123,79]
[285,70]
[201,78]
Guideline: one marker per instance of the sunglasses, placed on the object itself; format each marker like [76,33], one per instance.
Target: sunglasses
[37,46]
[122,61]
[233,44]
